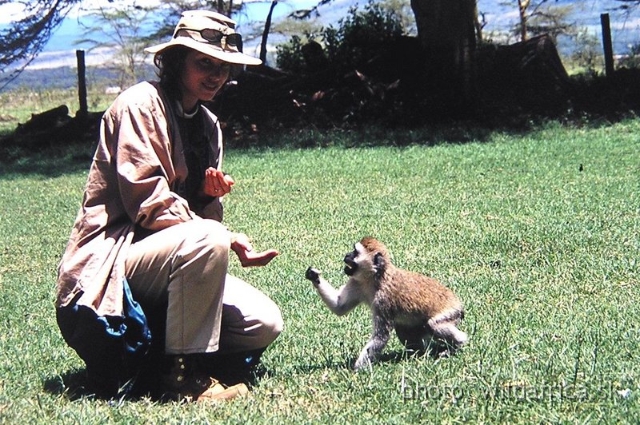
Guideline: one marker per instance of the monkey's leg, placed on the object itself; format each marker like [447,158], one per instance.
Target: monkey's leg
[414,338]
[448,332]
[377,342]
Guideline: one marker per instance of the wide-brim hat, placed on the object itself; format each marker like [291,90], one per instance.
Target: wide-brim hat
[194,24]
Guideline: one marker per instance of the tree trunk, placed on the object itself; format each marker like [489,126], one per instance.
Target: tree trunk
[446,29]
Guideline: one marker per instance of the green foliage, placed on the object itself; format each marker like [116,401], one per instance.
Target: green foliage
[360,35]
[290,55]
[404,12]
[587,55]
[537,233]
[356,38]
[632,59]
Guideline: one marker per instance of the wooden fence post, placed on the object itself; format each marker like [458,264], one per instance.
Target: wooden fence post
[82,86]
[606,43]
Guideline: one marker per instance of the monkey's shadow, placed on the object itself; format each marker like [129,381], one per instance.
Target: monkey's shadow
[392,357]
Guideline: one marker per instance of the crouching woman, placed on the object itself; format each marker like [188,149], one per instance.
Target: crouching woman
[143,283]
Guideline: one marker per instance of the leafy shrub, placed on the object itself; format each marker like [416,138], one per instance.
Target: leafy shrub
[290,55]
[356,39]
[586,54]
[632,59]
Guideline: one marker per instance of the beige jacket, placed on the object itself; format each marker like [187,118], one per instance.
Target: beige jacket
[132,184]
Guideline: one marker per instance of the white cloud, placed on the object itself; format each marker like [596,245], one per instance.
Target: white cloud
[13,11]
[10,12]
[89,6]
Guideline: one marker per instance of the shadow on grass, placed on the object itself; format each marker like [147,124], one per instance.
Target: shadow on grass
[55,157]
[73,385]
[51,161]
[58,156]
[391,357]
[76,384]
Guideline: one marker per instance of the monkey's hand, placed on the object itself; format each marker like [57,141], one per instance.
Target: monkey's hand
[313,275]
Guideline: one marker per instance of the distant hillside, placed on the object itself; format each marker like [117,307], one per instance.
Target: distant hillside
[66,77]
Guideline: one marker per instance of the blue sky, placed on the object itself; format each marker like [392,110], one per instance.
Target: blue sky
[499,16]
[68,32]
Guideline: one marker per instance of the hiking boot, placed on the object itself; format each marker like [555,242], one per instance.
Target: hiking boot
[217,391]
[185,382]
[234,368]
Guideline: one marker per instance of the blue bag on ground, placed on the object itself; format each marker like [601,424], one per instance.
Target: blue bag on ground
[112,348]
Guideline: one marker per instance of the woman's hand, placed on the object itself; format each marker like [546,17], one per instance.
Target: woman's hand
[248,258]
[216,183]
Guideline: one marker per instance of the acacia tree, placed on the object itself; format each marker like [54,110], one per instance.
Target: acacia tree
[122,30]
[25,38]
[628,4]
[542,17]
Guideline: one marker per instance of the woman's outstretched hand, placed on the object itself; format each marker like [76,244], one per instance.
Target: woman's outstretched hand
[248,258]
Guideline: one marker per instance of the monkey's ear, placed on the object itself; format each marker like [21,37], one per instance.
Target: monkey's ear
[379,264]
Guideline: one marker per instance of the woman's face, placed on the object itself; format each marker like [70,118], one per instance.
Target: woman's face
[202,77]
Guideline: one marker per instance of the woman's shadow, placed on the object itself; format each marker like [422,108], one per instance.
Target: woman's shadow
[73,385]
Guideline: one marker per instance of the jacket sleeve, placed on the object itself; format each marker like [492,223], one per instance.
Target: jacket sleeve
[141,147]
[212,208]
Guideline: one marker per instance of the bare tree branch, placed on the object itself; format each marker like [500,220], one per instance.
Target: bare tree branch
[25,38]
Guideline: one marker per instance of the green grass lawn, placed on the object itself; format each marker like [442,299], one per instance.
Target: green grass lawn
[538,234]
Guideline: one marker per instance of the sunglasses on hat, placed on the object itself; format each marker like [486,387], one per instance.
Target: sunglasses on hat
[215,36]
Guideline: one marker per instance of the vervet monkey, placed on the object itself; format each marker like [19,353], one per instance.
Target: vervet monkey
[418,307]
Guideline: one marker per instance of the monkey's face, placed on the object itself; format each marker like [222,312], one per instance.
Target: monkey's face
[364,264]
[360,263]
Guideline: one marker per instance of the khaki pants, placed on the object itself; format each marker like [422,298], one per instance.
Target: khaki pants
[184,268]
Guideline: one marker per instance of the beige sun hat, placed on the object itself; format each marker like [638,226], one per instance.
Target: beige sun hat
[210,33]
